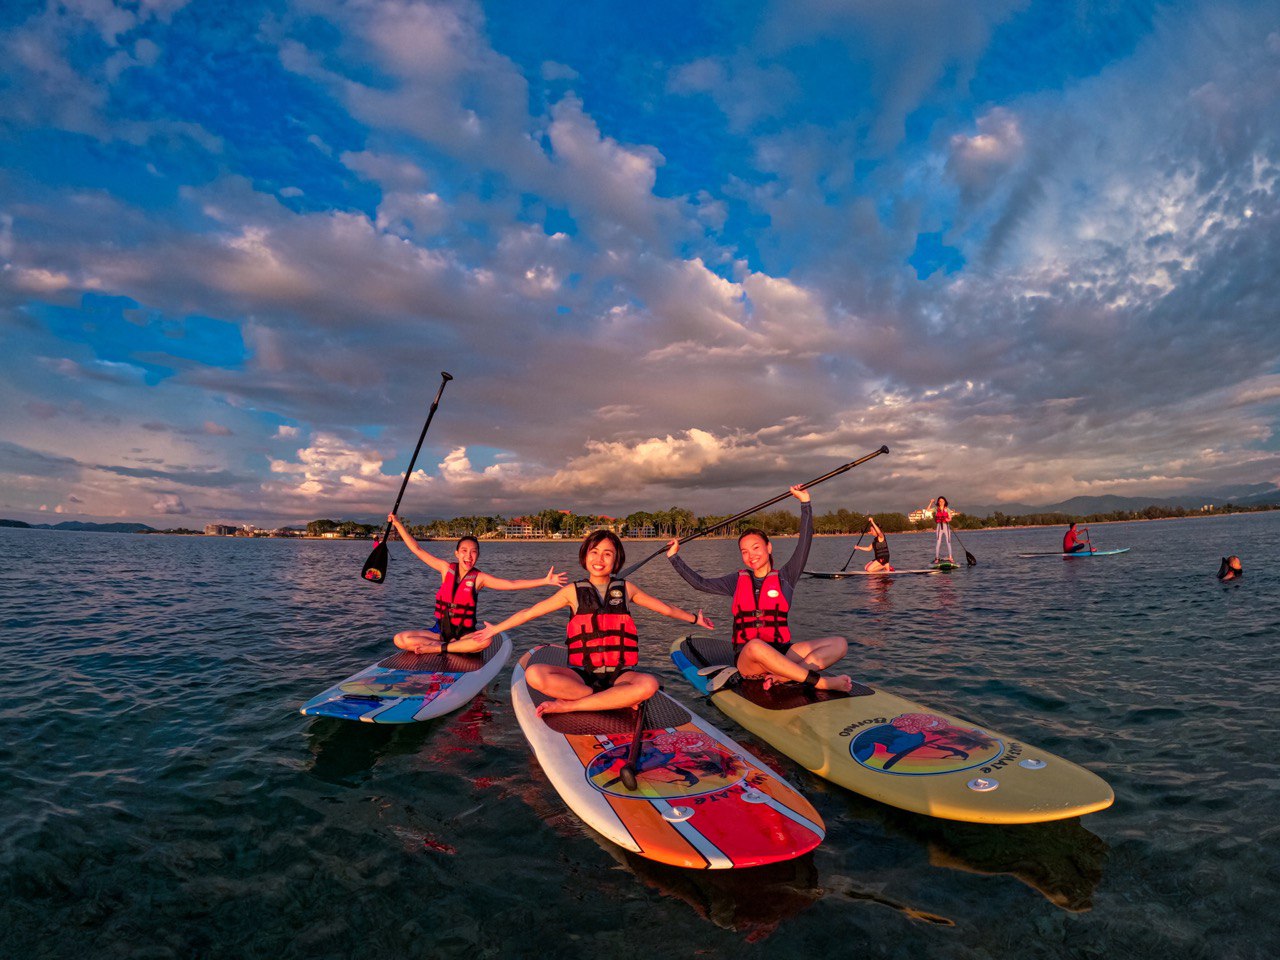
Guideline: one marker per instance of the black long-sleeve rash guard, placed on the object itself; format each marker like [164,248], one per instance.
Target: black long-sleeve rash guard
[788,573]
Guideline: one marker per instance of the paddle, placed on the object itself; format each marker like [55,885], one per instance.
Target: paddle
[703,531]
[865,531]
[628,771]
[375,568]
[969,558]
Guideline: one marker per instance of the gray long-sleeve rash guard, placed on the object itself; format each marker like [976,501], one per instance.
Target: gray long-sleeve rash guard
[788,573]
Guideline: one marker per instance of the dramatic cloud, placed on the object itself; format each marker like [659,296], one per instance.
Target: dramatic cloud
[1033,254]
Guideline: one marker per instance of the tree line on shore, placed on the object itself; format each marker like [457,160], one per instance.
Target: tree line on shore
[679,522]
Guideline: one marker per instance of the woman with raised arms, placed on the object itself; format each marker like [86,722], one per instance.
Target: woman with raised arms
[761,599]
[601,637]
[455,609]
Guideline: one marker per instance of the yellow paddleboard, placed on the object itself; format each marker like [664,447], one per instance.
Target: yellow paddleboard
[900,752]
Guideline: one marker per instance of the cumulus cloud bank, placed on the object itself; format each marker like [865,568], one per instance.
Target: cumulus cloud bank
[666,275]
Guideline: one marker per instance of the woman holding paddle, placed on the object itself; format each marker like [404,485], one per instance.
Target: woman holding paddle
[456,599]
[602,641]
[941,510]
[879,546]
[1072,542]
[761,599]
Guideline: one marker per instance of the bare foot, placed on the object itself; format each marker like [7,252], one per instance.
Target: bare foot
[557,706]
[843,683]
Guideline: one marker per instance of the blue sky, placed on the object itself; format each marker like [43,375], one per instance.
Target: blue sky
[673,253]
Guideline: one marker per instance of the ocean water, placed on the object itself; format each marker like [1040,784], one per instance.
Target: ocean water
[162,797]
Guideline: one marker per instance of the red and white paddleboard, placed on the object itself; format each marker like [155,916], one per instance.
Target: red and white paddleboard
[701,800]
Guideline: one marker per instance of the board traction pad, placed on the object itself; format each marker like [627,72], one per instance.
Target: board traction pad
[779,696]
[661,711]
[440,662]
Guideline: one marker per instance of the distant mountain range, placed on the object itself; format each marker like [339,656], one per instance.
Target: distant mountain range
[1250,495]
[81,525]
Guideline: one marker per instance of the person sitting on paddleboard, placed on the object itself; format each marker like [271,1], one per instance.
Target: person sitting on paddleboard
[601,636]
[761,598]
[942,514]
[456,599]
[880,546]
[1230,569]
[1072,543]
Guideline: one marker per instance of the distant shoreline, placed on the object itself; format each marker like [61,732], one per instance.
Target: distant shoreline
[21,525]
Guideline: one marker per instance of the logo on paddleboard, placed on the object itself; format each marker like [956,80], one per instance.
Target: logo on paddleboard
[681,764]
[401,683]
[922,745]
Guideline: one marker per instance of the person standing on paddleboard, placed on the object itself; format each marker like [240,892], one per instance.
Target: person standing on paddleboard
[1072,543]
[942,513]
[879,546]
[601,637]
[455,608]
[761,599]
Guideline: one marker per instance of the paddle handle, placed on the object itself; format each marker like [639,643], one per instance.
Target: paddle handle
[444,378]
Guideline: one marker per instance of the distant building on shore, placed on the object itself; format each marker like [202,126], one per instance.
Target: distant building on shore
[220,530]
[518,530]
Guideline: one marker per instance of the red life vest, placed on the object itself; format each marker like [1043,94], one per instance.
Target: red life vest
[602,636]
[456,603]
[764,618]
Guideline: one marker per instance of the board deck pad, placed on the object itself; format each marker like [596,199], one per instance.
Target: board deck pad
[708,651]
[905,754]
[701,800]
[411,687]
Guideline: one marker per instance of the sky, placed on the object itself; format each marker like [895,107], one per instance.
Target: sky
[672,254]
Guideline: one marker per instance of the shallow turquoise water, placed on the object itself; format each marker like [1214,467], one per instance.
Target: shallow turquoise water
[163,798]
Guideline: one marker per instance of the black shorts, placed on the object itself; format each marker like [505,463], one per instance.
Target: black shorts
[599,681]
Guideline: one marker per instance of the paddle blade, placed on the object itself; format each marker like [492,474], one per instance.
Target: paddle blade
[375,568]
[970,559]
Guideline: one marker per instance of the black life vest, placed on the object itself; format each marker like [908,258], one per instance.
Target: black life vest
[456,603]
[881,548]
[601,636]
[760,618]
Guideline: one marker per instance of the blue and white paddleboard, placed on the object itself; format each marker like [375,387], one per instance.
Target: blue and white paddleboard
[841,574]
[1078,553]
[411,687]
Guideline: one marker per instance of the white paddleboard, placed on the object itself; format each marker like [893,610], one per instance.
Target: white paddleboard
[410,687]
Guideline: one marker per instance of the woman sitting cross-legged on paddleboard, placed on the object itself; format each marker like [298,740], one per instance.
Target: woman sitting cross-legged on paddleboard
[1071,542]
[942,513]
[761,598]
[456,599]
[601,636]
[880,546]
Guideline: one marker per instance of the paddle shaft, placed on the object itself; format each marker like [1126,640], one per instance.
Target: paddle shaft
[444,378]
[855,549]
[969,558]
[628,772]
[703,531]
